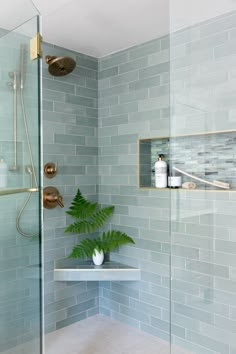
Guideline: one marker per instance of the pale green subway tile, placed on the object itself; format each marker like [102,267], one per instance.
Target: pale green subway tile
[71,79]
[86,180]
[68,321]
[91,83]
[124,170]
[47,105]
[155,332]
[144,116]
[207,342]
[90,122]
[124,78]
[196,58]
[59,117]
[145,49]
[91,112]
[81,101]
[158,91]
[165,78]
[58,86]
[221,25]
[116,90]
[104,141]
[124,139]
[85,72]
[59,149]
[86,92]
[125,319]
[214,307]
[81,307]
[192,241]
[103,84]
[108,160]
[103,112]
[110,61]
[87,62]
[165,326]
[80,130]
[115,150]
[181,343]
[108,101]
[185,287]
[186,252]
[124,108]
[159,58]
[146,308]
[192,312]
[154,103]
[115,120]
[72,170]
[165,42]
[69,139]
[125,290]
[116,180]
[108,72]
[118,298]
[145,83]
[108,131]
[86,150]
[69,108]
[137,315]
[133,96]
[154,70]
[60,304]
[133,65]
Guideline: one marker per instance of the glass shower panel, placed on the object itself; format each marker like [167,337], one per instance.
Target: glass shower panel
[203,216]
[20,259]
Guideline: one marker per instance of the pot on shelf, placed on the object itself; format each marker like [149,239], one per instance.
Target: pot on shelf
[98,257]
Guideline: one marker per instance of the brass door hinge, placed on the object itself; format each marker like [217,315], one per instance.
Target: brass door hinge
[36,47]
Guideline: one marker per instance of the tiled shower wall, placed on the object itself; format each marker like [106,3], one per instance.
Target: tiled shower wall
[70,139]
[134,103]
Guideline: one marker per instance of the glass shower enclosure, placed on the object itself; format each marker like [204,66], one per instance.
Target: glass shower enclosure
[202,153]
[20,235]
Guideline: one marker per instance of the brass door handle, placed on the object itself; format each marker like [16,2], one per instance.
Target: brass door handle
[52,198]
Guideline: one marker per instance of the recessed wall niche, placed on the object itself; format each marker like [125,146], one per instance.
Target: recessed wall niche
[210,156]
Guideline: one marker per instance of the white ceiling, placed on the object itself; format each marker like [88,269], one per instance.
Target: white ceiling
[101,27]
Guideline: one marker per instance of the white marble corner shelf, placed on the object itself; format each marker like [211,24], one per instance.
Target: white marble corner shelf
[109,271]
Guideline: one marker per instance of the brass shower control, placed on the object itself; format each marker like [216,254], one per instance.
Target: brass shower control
[52,198]
[50,169]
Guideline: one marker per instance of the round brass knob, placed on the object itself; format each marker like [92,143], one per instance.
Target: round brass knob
[50,169]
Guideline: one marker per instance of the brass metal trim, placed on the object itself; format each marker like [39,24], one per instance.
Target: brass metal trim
[52,198]
[18,190]
[36,47]
[50,169]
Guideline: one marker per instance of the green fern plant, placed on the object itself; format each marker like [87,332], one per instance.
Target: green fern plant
[90,217]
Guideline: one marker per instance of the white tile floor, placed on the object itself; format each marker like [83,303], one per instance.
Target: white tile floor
[102,335]
[98,335]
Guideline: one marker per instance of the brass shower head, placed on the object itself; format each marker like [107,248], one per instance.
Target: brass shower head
[60,66]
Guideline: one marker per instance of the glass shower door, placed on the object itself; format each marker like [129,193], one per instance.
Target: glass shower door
[20,239]
[203,217]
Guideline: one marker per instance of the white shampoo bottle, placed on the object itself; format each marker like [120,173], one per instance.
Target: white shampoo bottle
[3,174]
[161,173]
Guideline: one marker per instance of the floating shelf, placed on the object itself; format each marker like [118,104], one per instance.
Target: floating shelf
[109,271]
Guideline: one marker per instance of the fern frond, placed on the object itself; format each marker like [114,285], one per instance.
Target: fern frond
[81,208]
[101,216]
[85,248]
[113,239]
[81,227]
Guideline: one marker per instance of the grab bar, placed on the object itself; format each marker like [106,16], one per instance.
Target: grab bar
[18,190]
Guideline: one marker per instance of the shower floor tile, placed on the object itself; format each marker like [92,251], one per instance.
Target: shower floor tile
[102,335]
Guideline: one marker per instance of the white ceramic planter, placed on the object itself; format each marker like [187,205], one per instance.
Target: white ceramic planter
[98,257]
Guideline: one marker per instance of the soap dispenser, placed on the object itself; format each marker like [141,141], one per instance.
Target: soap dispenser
[161,172]
[3,174]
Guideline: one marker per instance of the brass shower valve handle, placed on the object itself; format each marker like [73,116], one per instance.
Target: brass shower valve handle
[52,198]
